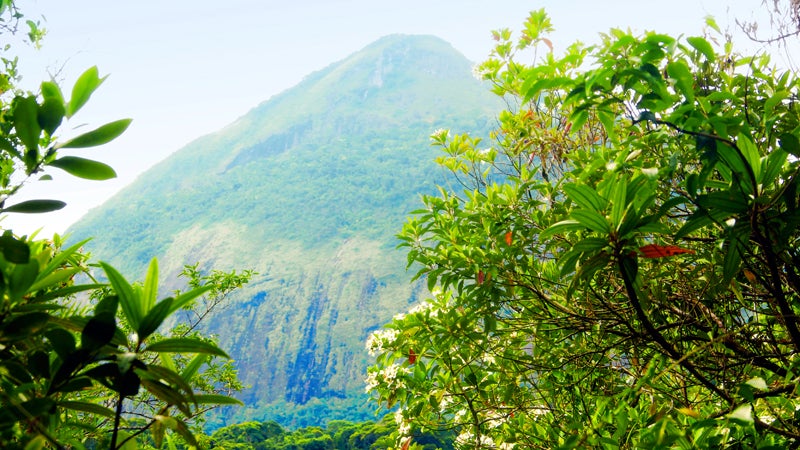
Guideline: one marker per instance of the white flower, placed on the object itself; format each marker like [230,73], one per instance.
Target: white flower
[371,381]
[380,339]
[650,172]
[399,316]
[440,133]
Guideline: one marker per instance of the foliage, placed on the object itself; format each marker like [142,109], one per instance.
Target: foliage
[621,269]
[75,371]
[338,435]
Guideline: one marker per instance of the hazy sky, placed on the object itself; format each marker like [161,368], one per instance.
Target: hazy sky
[185,68]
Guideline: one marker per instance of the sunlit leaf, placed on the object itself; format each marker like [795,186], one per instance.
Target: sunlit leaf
[185,345]
[84,168]
[99,136]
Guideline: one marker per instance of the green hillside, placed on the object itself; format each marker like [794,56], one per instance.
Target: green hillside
[308,189]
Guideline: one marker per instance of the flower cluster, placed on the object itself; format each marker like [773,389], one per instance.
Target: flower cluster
[380,339]
[387,377]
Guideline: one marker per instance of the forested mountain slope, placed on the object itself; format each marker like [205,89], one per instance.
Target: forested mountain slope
[308,189]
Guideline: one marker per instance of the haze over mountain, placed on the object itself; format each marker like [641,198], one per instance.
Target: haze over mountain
[308,189]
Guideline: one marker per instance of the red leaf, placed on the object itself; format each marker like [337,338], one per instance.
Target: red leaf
[662,251]
[481,277]
[509,238]
[412,357]
[406,444]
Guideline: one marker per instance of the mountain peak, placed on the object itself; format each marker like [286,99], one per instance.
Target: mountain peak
[308,189]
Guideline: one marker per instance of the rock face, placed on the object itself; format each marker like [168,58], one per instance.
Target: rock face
[308,189]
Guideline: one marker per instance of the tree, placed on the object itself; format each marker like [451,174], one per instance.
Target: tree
[621,268]
[90,369]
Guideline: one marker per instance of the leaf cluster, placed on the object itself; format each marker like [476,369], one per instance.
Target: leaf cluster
[549,324]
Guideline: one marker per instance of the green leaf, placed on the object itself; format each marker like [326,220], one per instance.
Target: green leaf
[99,136]
[98,332]
[591,220]
[91,408]
[22,278]
[86,84]
[130,303]
[154,318]
[790,143]
[50,115]
[584,196]
[54,278]
[14,250]
[194,366]
[26,122]
[168,395]
[84,168]
[742,414]
[185,345]
[684,81]
[35,206]
[703,46]
[62,341]
[23,326]
[619,195]
[216,399]
[561,227]
[150,293]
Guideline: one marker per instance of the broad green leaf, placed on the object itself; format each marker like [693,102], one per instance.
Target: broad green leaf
[50,115]
[790,143]
[774,164]
[750,153]
[743,414]
[619,195]
[51,91]
[561,227]
[168,395]
[684,81]
[584,196]
[194,366]
[35,206]
[154,318]
[26,122]
[54,278]
[703,46]
[84,168]
[91,408]
[130,303]
[22,278]
[98,332]
[150,292]
[13,249]
[185,345]
[758,383]
[86,84]
[164,375]
[99,136]
[591,220]
[62,341]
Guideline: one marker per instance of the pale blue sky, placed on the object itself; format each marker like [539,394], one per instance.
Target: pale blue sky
[185,68]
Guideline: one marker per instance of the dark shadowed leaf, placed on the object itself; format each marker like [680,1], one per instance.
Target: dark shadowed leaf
[35,206]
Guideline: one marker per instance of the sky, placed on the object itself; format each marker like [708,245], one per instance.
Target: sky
[182,69]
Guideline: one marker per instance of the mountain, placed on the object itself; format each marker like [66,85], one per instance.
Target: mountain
[308,189]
